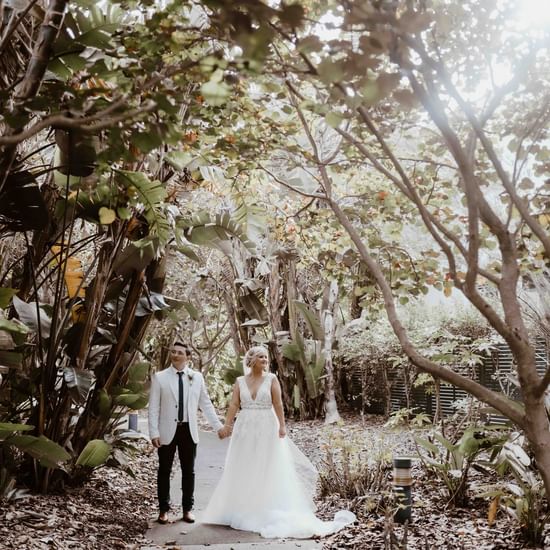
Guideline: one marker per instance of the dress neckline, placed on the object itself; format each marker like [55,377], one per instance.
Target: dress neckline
[264,376]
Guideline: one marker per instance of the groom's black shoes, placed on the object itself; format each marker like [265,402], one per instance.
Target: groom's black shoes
[163,518]
[188,517]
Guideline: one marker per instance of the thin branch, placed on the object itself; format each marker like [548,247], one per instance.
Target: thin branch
[493,398]
[16,23]
[285,184]
[477,125]
[84,124]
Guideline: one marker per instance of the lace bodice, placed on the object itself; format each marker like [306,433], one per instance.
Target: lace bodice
[263,396]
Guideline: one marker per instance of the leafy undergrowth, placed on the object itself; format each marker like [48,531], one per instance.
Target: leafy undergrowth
[434,524]
[110,511]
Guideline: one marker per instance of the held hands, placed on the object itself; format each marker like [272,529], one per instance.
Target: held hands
[224,432]
[156,442]
[282,432]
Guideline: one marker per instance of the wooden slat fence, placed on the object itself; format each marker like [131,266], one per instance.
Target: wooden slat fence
[496,372]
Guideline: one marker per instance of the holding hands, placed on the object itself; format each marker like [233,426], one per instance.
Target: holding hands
[224,432]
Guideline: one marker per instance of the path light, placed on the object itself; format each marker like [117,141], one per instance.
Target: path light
[402,482]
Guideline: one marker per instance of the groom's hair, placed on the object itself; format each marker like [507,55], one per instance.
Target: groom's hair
[182,345]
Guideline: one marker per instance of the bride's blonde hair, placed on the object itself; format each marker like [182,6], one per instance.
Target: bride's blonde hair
[251,355]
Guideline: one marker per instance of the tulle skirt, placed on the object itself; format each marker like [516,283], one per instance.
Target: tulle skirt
[268,484]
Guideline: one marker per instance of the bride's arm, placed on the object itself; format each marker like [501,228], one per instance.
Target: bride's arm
[232,409]
[276,398]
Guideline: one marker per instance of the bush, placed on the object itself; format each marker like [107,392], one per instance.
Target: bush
[353,472]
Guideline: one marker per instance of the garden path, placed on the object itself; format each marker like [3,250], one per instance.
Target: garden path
[208,468]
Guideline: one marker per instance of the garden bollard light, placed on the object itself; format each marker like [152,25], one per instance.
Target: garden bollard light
[402,482]
[133,421]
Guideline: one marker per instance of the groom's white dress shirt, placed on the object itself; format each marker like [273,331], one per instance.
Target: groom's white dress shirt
[163,404]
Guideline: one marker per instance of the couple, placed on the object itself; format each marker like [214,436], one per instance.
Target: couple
[267,485]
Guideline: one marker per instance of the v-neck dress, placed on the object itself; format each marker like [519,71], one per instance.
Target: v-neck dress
[267,485]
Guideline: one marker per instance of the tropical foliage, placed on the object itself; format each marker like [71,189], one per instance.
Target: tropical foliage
[288,169]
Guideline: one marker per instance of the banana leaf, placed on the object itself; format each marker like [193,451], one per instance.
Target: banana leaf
[7,429]
[47,452]
[29,316]
[79,381]
[94,454]
[311,319]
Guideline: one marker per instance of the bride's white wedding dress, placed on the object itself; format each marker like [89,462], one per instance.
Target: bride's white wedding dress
[267,485]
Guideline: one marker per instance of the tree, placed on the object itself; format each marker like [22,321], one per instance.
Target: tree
[111,89]
[446,105]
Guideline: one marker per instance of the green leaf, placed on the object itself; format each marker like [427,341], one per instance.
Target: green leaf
[330,71]
[291,351]
[97,38]
[254,307]
[428,445]
[292,15]
[233,371]
[104,403]
[94,454]
[147,141]
[13,326]
[28,315]
[6,294]
[189,252]
[150,194]
[203,229]
[311,43]
[215,93]
[333,119]
[311,319]
[179,159]
[314,373]
[445,442]
[138,372]
[135,401]
[48,453]
[106,215]
[7,429]
[136,256]
[124,213]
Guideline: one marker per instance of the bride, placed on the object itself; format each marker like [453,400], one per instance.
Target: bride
[267,485]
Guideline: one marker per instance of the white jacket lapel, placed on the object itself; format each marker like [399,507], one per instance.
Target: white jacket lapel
[173,382]
[189,387]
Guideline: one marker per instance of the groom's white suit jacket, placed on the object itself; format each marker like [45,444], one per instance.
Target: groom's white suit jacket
[163,404]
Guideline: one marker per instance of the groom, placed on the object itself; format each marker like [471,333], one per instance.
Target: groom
[176,395]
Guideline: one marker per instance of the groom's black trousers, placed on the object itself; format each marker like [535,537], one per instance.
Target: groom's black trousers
[187,449]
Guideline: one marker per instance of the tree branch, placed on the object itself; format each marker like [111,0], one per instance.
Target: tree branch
[495,399]
[89,124]
[477,125]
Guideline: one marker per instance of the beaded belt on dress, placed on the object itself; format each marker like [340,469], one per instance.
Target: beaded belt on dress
[256,406]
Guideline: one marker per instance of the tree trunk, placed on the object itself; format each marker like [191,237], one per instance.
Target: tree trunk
[276,304]
[293,327]
[538,433]
[327,319]
[238,345]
